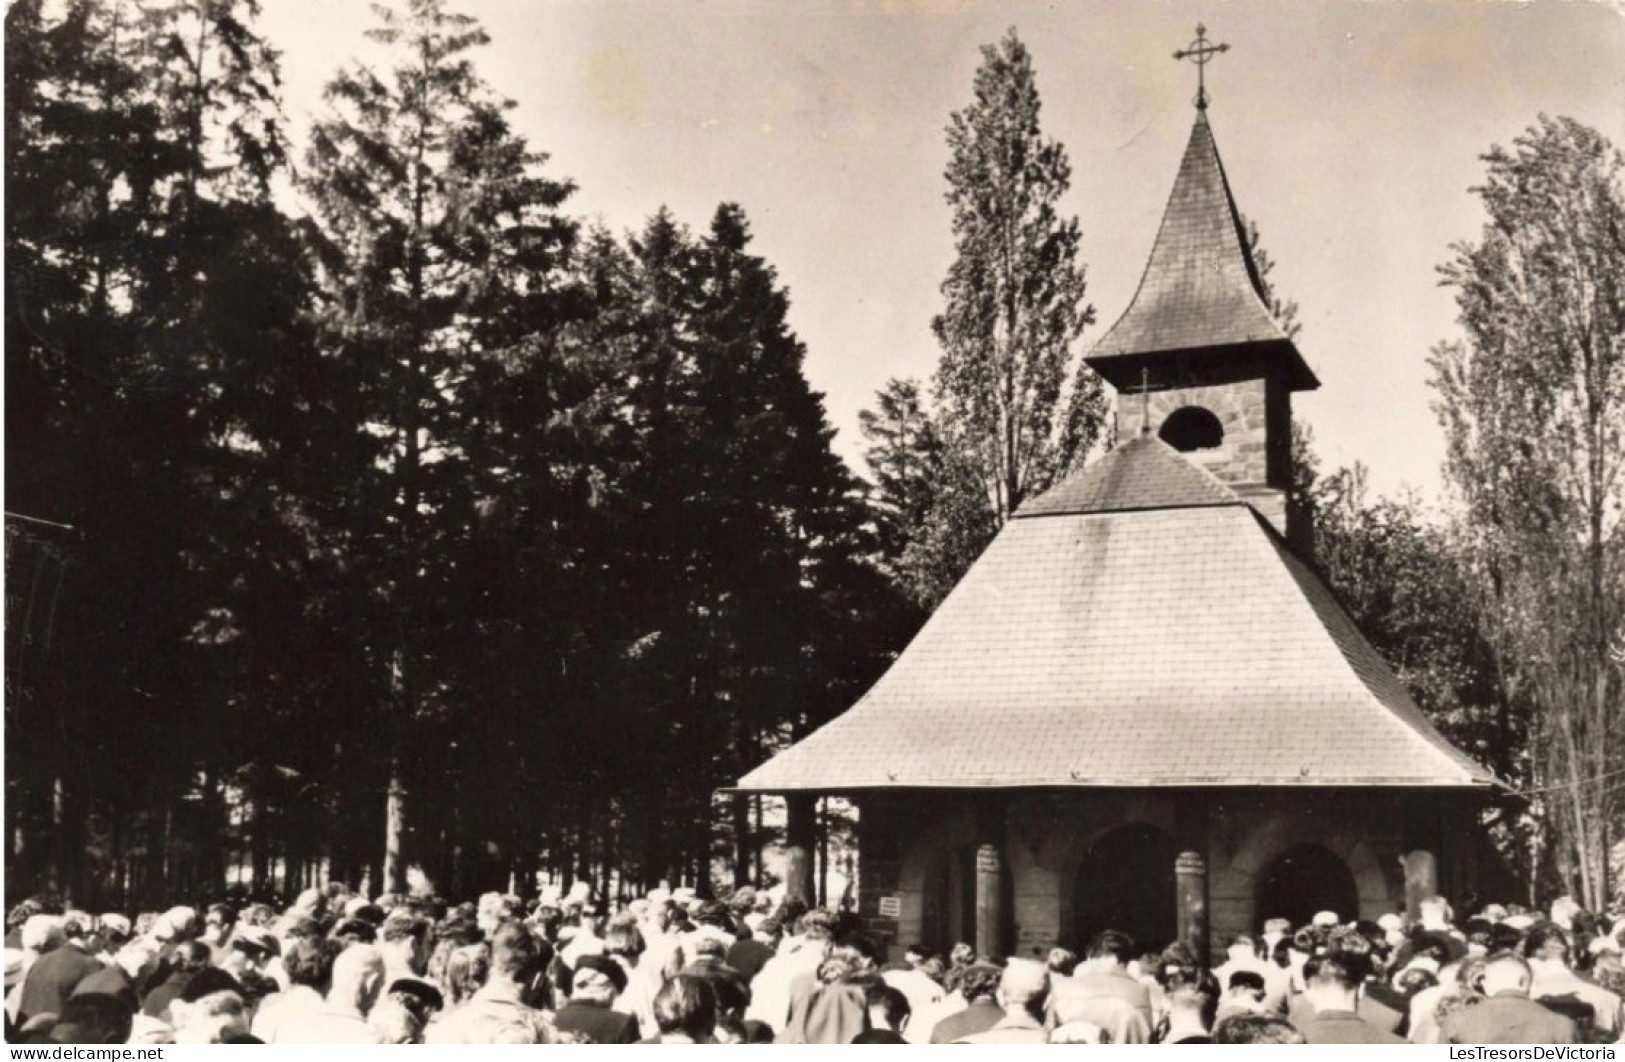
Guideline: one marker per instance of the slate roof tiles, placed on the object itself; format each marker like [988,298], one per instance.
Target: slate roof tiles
[1125,646]
[1201,289]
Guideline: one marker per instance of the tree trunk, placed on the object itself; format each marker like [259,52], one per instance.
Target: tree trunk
[393,878]
[742,840]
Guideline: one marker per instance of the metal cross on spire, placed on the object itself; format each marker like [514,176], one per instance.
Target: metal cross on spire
[1201,52]
[1144,391]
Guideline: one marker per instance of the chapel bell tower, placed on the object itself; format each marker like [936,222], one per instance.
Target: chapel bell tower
[1197,358]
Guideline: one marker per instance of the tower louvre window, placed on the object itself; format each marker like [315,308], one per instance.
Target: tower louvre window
[1192,428]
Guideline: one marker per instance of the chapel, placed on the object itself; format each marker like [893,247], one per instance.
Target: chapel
[1141,708]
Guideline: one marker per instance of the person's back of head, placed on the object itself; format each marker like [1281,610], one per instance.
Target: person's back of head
[190,957]
[1176,960]
[1332,979]
[308,961]
[728,987]
[818,924]
[395,1023]
[1503,937]
[1061,961]
[1480,933]
[888,1008]
[1247,989]
[78,925]
[1112,945]
[1310,940]
[180,924]
[1414,980]
[258,914]
[979,981]
[20,914]
[467,969]
[1195,993]
[836,970]
[623,940]
[686,1006]
[218,920]
[1256,1029]
[404,930]
[1506,973]
[358,977]
[347,931]
[716,914]
[1250,980]
[515,952]
[1546,942]
[1024,986]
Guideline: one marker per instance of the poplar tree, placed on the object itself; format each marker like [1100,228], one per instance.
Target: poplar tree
[1013,395]
[1532,400]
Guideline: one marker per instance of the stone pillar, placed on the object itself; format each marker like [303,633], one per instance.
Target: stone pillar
[1421,880]
[1190,882]
[799,832]
[989,918]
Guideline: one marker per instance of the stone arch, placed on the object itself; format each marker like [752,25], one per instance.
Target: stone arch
[1190,428]
[1122,877]
[932,863]
[1275,836]
[1303,880]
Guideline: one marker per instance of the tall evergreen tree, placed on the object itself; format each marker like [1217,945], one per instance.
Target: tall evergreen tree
[137,281]
[438,231]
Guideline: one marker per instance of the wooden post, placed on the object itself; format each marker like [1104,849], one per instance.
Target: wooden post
[989,918]
[1190,883]
[799,834]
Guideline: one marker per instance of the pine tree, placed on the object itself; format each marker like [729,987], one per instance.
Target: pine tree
[438,229]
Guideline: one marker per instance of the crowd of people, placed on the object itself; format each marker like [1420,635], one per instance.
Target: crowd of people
[671,967]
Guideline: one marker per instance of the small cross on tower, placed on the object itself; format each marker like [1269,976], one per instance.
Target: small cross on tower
[1201,52]
[1144,391]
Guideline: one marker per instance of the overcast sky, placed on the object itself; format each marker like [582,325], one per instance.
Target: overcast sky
[1350,131]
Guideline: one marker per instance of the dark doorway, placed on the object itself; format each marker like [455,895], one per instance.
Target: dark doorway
[1126,882]
[950,899]
[1303,881]
[949,903]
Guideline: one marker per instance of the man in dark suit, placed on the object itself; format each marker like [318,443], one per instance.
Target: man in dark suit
[751,952]
[1332,986]
[54,975]
[596,982]
[1508,1015]
[980,986]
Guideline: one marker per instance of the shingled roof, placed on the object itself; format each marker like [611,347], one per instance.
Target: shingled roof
[1143,473]
[1201,294]
[1099,642]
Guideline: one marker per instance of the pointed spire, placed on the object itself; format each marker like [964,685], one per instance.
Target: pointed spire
[1201,291]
